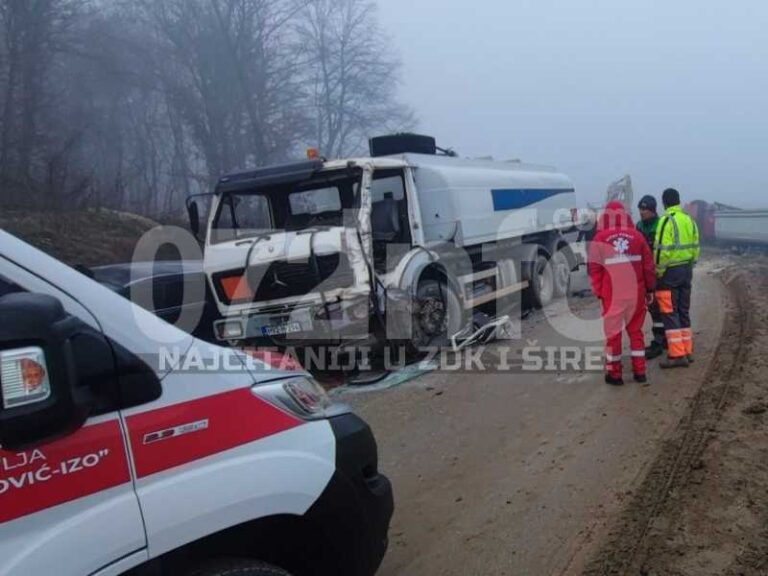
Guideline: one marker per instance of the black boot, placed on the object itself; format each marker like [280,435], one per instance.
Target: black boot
[613,381]
[670,363]
[641,378]
[654,351]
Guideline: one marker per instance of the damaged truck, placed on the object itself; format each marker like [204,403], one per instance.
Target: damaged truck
[407,245]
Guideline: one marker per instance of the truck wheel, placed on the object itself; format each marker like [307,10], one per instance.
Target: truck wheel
[437,315]
[238,568]
[542,283]
[561,272]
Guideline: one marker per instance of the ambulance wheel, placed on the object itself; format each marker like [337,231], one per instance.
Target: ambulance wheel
[561,272]
[437,315]
[541,289]
[239,568]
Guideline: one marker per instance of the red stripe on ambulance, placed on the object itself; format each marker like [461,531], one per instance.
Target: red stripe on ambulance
[182,433]
[89,461]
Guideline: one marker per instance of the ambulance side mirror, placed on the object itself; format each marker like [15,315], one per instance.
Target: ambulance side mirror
[48,363]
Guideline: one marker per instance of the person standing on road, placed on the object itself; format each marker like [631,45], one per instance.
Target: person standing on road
[647,226]
[676,251]
[622,275]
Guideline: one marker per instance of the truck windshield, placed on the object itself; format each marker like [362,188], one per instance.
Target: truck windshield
[318,202]
[242,216]
[315,202]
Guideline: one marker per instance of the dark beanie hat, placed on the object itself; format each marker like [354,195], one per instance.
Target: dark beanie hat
[647,203]
[671,197]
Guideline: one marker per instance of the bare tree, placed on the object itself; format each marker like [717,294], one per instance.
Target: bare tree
[231,77]
[354,73]
[35,34]
[135,104]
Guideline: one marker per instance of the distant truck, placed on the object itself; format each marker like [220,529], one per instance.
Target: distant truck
[730,226]
[404,245]
[742,227]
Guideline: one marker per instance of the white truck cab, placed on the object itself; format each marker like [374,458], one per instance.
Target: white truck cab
[130,447]
[406,240]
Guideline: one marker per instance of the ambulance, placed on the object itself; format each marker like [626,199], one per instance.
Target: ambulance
[127,446]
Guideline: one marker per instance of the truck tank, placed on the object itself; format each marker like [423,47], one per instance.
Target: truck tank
[471,202]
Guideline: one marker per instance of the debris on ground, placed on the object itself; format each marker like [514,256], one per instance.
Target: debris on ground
[390,380]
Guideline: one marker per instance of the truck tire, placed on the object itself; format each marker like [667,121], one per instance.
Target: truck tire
[561,273]
[541,289]
[437,315]
[238,568]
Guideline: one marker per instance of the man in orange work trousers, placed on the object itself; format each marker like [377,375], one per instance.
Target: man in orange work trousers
[676,251]
[623,276]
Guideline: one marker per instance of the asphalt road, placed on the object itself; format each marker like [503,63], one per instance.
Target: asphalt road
[510,472]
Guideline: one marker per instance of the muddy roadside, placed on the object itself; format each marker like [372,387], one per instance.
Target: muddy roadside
[498,473]
[702,509]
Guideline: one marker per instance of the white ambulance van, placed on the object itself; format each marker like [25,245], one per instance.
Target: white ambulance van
[113,461]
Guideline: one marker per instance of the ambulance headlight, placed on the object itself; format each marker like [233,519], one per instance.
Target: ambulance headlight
[302,396]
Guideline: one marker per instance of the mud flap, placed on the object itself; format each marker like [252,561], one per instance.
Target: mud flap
[399,314]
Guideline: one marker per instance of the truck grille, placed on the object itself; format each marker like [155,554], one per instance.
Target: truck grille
[282,279]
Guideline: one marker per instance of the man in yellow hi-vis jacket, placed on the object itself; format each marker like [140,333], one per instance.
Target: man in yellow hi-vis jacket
[676,251]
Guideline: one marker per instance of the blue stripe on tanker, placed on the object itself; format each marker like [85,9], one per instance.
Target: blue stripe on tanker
[514,199]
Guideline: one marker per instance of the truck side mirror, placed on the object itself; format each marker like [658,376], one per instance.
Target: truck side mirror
[55,370]
[194,218]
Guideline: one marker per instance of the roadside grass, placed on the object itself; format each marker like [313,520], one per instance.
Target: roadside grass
[86,237]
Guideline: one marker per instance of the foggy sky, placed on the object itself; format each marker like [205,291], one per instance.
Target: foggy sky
[672,92]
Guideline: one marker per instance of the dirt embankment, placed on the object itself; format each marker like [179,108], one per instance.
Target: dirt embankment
[87,237]
[703,507]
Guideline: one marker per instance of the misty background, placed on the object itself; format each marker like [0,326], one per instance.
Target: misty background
[135,104]
[672,93]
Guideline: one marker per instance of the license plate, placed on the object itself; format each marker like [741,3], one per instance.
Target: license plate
[281,329]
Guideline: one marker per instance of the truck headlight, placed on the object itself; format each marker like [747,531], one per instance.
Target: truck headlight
[361,310]
[230,330]
[301,396]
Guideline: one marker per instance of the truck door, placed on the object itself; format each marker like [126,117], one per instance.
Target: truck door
[67,504]
[390,224]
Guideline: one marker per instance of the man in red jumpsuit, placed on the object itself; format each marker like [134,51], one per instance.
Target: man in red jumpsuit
[623,277]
